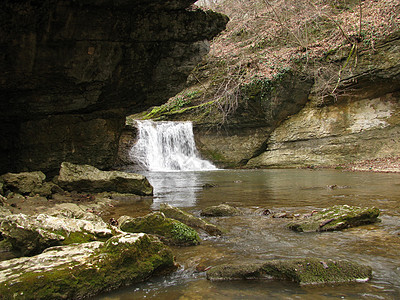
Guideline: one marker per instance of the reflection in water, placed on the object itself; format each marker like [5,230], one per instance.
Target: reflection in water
[254,238]
[176,188]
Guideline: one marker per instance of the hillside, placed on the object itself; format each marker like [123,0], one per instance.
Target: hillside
[282,67]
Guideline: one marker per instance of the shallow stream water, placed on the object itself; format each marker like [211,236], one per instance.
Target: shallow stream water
[253,237]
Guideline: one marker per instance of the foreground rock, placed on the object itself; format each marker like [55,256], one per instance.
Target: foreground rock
[169,230]
[336,218]
[85,178]
[83,270]
[303,271]
[222,210]
[30,235]
[188,219]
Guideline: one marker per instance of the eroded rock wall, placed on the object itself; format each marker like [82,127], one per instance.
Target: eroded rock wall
[287,124]
[72,71]
[362,123]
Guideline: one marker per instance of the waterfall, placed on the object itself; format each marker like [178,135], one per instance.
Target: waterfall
[167,146]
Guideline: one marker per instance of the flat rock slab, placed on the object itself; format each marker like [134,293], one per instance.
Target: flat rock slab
[81,270]
[305,271]
[336,218]
[30,235]
[168,230]
[188,219]
[222,210]
[85,178]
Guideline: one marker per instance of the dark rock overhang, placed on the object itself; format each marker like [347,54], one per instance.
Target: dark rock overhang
[92,60]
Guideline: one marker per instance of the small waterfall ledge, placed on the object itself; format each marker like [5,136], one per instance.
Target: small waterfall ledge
[167,146]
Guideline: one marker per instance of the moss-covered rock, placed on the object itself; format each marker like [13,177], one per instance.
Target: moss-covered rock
[82,270]
[337,217]
[169,230]
[90,179]
[188,219]
[222,210]
[303,271]
[30,235]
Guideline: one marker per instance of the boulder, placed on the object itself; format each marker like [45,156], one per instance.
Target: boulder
[188,219]
[90,179]
[169,230]
[305,271]
[337,217]
[82,270]
[30,235]
[222,210]
[23,183]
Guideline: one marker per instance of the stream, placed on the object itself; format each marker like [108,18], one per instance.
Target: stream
[254,237]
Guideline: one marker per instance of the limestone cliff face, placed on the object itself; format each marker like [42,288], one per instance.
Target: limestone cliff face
[283,122]
[72,71]
[363,123]
[264,106]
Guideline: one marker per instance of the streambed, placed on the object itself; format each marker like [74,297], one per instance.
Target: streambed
[254,237]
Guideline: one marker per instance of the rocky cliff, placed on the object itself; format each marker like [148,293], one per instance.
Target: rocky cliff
[283,122]
[362,123]
[72,71]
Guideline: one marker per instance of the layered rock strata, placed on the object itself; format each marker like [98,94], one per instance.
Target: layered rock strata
[72,71]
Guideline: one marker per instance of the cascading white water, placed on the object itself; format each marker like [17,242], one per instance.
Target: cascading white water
[167,146]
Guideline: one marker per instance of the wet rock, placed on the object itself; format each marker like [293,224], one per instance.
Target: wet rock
[264,212]
[47,189]
[30,235]
[305,271]
[222,210]
[336,218]
[82,270]
[209,185]
[335,186]
[188,219]
[4,212]
[87,178]
[169,230]
[280,215]
[23,183]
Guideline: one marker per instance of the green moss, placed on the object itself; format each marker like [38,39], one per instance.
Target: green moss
[112,266]
[188,219]
[169,230]
[303,271]
[79,237]
[214,155]
[336,218]
[184,234]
